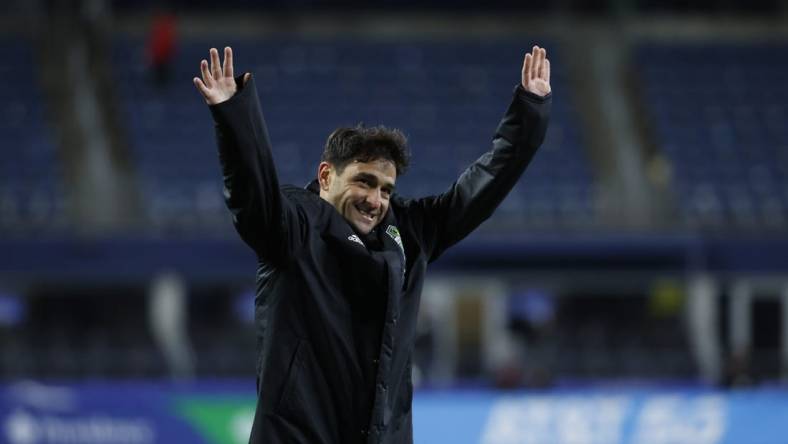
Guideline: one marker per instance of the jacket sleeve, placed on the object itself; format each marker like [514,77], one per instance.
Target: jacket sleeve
[263,217]
[445,219]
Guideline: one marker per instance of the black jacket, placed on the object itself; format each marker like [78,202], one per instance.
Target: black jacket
[336,316]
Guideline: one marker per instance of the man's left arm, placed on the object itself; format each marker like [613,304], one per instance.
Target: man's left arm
[447,218]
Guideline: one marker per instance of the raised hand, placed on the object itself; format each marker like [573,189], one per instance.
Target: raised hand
[218,83]
[536,72]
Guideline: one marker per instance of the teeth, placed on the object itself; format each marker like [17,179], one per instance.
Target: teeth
[366,214]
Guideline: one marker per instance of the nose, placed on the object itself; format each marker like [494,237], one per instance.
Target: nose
[373,198]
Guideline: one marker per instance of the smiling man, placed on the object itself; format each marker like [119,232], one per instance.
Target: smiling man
[358,170]
[341,263]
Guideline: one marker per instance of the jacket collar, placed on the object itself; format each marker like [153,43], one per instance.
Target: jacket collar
[313,187]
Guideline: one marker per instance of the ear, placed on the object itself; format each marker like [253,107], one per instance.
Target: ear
[324,175]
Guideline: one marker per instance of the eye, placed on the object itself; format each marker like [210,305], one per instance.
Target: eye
[386,192]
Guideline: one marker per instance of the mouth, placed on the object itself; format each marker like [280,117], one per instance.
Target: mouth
[368,217]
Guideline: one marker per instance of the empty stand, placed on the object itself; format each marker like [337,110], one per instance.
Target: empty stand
[446,96]
[719,113]
[31,192]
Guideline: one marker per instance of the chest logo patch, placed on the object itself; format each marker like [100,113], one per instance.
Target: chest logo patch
[355,238]
[393,232]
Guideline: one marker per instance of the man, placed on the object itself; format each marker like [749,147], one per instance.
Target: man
[342,262]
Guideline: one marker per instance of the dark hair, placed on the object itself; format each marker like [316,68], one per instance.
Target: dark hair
[346,145]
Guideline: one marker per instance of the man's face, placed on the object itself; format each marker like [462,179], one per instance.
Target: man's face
[361,192]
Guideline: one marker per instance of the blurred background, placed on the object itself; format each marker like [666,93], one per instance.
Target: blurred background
[633,288]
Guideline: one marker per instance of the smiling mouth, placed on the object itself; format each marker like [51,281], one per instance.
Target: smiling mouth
[366,215]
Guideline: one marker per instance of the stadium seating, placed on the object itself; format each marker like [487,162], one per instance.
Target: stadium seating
[31,192]
[719,113]
[446,96]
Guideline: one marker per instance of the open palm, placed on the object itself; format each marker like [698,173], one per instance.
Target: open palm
[536,72]
[218,83]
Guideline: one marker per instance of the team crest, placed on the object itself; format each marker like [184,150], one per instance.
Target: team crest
[393,232]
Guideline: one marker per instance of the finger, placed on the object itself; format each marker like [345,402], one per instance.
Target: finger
[540,68]
[204,90]
[207,78]
[216,67]
[247,76]
[527,68]
[228,62]
[534,61]
[547,70]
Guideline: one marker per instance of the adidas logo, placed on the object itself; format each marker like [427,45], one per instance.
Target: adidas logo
[355,238]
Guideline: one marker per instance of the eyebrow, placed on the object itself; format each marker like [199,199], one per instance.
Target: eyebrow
[373,179]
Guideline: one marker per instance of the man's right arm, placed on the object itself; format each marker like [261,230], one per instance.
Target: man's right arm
[265,220]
